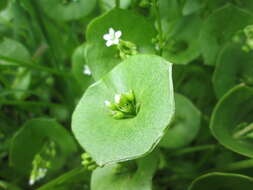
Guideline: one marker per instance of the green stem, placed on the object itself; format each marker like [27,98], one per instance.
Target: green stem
[33,66]
[244,131]
[159,25]
[68,176]
[193,149]
[27,103]
[239,165]
[117,3]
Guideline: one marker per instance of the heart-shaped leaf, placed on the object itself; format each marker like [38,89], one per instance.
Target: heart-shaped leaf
[211,37]
[29,140]
[185,126]
[232,70]
[231,122]
[135,29]
[110,140]
[110,177]
[222,181]
[66,10]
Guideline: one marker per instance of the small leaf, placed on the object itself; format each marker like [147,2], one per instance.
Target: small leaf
[110,140]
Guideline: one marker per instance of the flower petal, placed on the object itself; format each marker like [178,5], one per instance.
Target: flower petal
[111,31]
[115,41]
[107,37]
[109,43]
[117,98]
[118,34]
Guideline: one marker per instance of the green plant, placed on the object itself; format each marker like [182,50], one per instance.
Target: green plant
[126,94]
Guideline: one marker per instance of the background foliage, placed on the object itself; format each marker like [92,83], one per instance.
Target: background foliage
[192,78]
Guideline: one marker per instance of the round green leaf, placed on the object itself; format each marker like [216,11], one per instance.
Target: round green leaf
[231,115]
[222,181]
[185,126]
[29,140]
[66,10]
[109,140]
[78,66]
[211,37]
[135,28]
[182,47]
[141,179]
[232,70]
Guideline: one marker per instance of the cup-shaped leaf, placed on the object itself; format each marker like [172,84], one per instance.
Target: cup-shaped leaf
[211,37]
[66,10]
[231,121]
[134,28]
[110,140]
[30,139]
[182,47]
[110,177]
[232,70]
[185,125]
[223,181]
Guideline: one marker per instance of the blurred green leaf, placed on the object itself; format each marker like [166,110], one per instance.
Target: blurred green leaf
[232,70]
[231,119]
[223,181]
[185,125]
[219,28]
[31,137]
[110,177]
[66,10]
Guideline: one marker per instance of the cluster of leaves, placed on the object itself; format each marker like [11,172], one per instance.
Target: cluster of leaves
[167,104]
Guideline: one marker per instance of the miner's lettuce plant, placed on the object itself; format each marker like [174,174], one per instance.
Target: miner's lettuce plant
[126,94]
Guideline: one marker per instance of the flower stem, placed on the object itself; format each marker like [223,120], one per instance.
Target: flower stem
[159,25]
[33,65]
[188,150]
[244,131]
[117,3]
[239,165]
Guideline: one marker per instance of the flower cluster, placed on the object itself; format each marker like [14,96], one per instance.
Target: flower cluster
[125,48]
[124,106]
[113,37]
[42,162]
[88,162]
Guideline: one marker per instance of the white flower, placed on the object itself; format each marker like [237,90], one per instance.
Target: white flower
[107,103]
[31,181]
[117,98]
[86,70]
[112,38]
